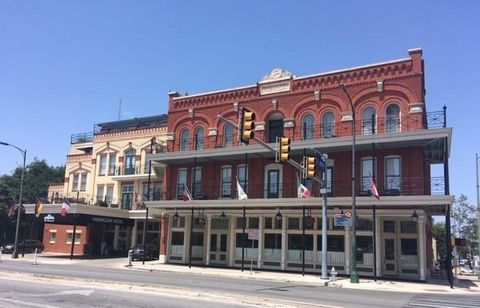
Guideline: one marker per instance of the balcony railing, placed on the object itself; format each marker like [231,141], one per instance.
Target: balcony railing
[132,170]
[340,187]
[81,138]
[378,125]
[82,198]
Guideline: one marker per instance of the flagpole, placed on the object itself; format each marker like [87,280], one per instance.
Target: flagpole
[374,224]
[243,237]
[74,230]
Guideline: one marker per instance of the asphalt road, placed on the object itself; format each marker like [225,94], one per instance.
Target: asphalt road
[134,288]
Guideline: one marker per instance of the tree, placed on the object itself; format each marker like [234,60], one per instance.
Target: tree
[438,230]
[465,225]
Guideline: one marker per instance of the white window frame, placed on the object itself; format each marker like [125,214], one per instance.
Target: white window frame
[386,184]
[222,196]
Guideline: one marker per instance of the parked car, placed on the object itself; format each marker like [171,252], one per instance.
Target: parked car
[151,252]
[29,246]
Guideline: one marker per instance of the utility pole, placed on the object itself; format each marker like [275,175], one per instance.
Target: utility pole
[477,157]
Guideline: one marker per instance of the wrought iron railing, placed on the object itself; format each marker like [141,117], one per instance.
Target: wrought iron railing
[376,125]
[81,138]
[340,187]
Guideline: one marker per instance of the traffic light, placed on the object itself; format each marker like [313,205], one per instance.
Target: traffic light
[284,149]
[247,125]
[310,164]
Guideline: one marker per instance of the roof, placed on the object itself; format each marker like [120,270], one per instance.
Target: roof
[129,124]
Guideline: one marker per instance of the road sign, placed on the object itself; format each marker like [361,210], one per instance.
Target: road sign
[320,163]
[341,220]
[348,214]
[253,234]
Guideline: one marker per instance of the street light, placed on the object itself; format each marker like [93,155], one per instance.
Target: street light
[353,274]
[24,154]
[477,157]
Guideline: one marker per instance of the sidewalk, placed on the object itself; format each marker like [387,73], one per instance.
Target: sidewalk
[462,285]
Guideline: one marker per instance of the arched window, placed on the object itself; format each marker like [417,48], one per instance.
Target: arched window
[184,136]
[130,161]
[228,135]
[328,124]
[308,127]
[392,119]
[368,120]
[199,138]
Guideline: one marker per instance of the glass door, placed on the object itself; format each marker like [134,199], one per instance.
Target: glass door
[389,257]
[218,248]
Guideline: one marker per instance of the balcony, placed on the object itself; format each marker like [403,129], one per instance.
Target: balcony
[341,187]
[418,129]
[137,172]
[81,138]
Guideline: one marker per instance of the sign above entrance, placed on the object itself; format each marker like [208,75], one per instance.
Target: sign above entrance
[48,218]
[342,220]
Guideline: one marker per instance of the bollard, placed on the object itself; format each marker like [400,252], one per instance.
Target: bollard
[130,253]
[1,250]
[35,257]
[333,273]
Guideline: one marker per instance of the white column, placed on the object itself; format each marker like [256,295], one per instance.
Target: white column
[422,244]
[260,242]
[378,244]
[115,237]
[283,264]
[231,240]
[134,232]
[186,236]
[209,231]
[348,249]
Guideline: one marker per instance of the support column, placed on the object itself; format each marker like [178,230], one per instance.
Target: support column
[260,242]
[348,250]
[422,244]
[162,258]
[379,245]
[231,240]
[134,232]
[186,245]
[283,264]
[115,237]
[209,232]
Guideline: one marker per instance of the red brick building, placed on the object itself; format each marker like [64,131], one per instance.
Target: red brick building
[397,141]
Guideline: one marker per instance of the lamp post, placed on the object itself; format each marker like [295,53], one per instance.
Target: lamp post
[477,158]
[152,143]
[353,274]
[24,154]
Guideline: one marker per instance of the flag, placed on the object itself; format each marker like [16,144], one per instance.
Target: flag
[65,208]
[12,210]
[38,207]
[187,196]
[240,192]
[302,191]
[373,188]
[138,200]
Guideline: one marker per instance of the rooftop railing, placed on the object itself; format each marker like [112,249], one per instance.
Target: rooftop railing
[81,138]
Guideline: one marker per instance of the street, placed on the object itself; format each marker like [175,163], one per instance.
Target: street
[62,285]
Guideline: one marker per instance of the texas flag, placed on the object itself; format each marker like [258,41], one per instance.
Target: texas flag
[302,190]
[65,208]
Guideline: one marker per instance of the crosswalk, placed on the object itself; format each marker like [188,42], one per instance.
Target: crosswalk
[463,301]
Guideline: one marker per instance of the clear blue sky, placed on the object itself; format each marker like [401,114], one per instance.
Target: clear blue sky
[64,65]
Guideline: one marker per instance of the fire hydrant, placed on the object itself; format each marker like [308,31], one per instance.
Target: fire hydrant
[333,273]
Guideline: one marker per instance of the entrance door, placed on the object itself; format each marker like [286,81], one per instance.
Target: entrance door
[389,257]
[218,248]
[275,129]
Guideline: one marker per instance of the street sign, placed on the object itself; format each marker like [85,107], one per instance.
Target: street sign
[348,214]
[320,163]
[341,220]
[253,234]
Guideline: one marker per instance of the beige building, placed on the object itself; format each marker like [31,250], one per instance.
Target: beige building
[107,174]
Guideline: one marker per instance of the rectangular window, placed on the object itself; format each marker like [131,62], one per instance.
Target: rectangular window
[253,222]
[177,238]
[103,165]
[295,241]
[392,175]
[76,177]
[78,237]
[145,191]
[83,182]
[242,175]
[364,224]
[293,223]
[109,198]
[408,227]
[334,243]
[226,185]
[364,245]
[112,164]
[240,221]
[53,236]
[367,172]
[181,182]
[243,239]
[273,183]
[389,226]
[100,192]
[273,241]
[409,247]
[196,181]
